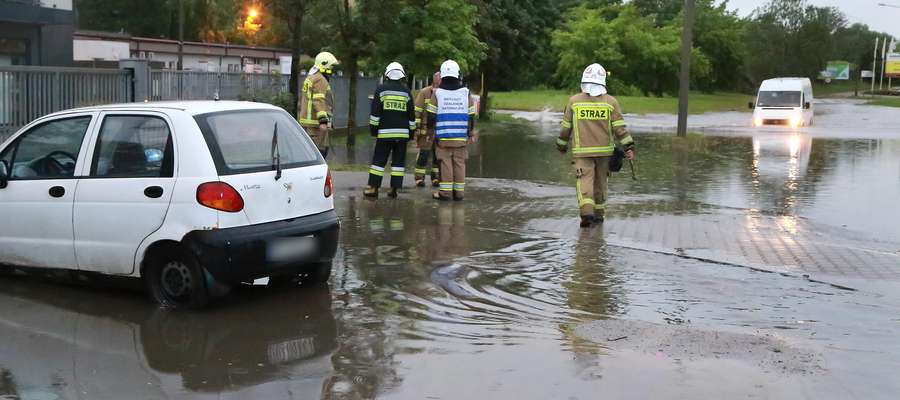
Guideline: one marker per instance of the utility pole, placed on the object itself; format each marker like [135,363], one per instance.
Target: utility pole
[883,61]
[874,65]
[684,84]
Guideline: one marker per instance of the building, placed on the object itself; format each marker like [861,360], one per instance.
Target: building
[105,49]
[36,32]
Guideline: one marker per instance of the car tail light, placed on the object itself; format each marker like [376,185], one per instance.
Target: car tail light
[329,185]
[220,196]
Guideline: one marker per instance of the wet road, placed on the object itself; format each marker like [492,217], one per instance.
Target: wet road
[502,296]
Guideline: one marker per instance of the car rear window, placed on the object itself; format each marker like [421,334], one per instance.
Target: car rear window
[243,141]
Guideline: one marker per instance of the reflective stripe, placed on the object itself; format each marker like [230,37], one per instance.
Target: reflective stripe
[585,150]
[562,142]
[397,93]
[419,108]
[421,171]
[376,172]
[322,114]
[566,124]
[398,171]
[431,108]
[377,168]
[304,121]
[446,186]
[396,224]
[627,140]
[582,201]
[412,124]
[618,123]
[374,118]
[455,139]
[453,132]
[464,124]
[600,206]
[395,98]
[418,120]
[459,187]
[317,96]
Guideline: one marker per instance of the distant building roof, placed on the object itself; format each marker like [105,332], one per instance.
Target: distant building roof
[168,45]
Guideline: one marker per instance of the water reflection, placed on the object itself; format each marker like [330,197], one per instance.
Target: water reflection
[781,173]
[61,342]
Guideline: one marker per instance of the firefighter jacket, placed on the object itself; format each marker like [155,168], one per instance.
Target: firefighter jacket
[316,101]
[591,123]
[393,113]
[423,99]
[451,113]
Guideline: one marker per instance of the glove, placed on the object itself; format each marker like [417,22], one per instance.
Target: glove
[562,148]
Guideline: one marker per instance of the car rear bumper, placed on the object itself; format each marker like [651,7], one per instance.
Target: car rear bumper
[233,255]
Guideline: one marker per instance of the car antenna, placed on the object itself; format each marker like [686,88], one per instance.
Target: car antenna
[276,155]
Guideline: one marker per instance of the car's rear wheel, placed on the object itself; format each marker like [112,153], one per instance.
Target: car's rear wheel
[175,280]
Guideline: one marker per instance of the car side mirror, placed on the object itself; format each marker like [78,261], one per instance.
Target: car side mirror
[807,105]
[750,105]
[4,174]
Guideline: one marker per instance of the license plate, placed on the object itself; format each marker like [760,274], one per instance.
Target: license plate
[291,249]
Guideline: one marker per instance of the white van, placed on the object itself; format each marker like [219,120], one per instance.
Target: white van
[192,197]
[784,101]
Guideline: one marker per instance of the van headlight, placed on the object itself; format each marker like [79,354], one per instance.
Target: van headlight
[757,121]
[795,121]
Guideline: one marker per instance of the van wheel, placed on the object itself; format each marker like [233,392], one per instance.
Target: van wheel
[175,280]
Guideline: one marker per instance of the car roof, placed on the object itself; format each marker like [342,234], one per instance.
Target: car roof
[194,107]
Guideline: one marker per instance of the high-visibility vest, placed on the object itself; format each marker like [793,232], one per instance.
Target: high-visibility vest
[452,114]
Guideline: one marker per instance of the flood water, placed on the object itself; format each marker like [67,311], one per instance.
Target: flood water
[499,297]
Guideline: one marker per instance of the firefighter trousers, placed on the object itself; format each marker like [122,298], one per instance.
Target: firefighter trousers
[592,177]
[453,170]
[426,155]
[395,150]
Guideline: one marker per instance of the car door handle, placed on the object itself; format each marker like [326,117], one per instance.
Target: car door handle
[153,192]
[57,191]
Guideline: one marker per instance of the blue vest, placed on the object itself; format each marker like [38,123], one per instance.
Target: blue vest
[452,114]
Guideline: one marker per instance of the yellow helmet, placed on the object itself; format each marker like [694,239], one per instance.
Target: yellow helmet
[325,61]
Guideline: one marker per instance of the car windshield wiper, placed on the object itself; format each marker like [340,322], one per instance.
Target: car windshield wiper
[276,155]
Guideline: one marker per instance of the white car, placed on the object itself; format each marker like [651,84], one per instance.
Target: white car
[192,197]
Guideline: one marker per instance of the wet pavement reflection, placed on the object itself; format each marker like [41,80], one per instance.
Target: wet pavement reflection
[502,296]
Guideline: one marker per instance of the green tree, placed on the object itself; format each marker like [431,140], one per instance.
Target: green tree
[424,33]
[641,56]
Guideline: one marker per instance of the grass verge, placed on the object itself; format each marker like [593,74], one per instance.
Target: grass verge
[887,102]
[539,100]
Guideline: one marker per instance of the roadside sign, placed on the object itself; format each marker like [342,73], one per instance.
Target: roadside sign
[839,70]
[866,74]
[892,67]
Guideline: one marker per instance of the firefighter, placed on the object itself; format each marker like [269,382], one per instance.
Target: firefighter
[425,136]
[316,108]
[393,123]
[452,115]
[591,121]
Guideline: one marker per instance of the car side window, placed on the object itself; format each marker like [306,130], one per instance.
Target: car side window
[133,146]
[49,150]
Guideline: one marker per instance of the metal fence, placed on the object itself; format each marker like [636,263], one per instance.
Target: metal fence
[193,85]
[27,93]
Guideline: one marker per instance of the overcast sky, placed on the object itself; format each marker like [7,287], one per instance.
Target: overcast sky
[882,19]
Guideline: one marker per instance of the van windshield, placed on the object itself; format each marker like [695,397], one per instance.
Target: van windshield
[779,98]
[242,141]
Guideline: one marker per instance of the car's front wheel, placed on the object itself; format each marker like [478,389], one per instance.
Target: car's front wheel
[175,280]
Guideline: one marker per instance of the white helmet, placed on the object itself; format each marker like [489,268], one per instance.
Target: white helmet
[394,71]
[593,80]
[450,69]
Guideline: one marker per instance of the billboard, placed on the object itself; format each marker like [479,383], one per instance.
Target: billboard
[892,67]
[838,70]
